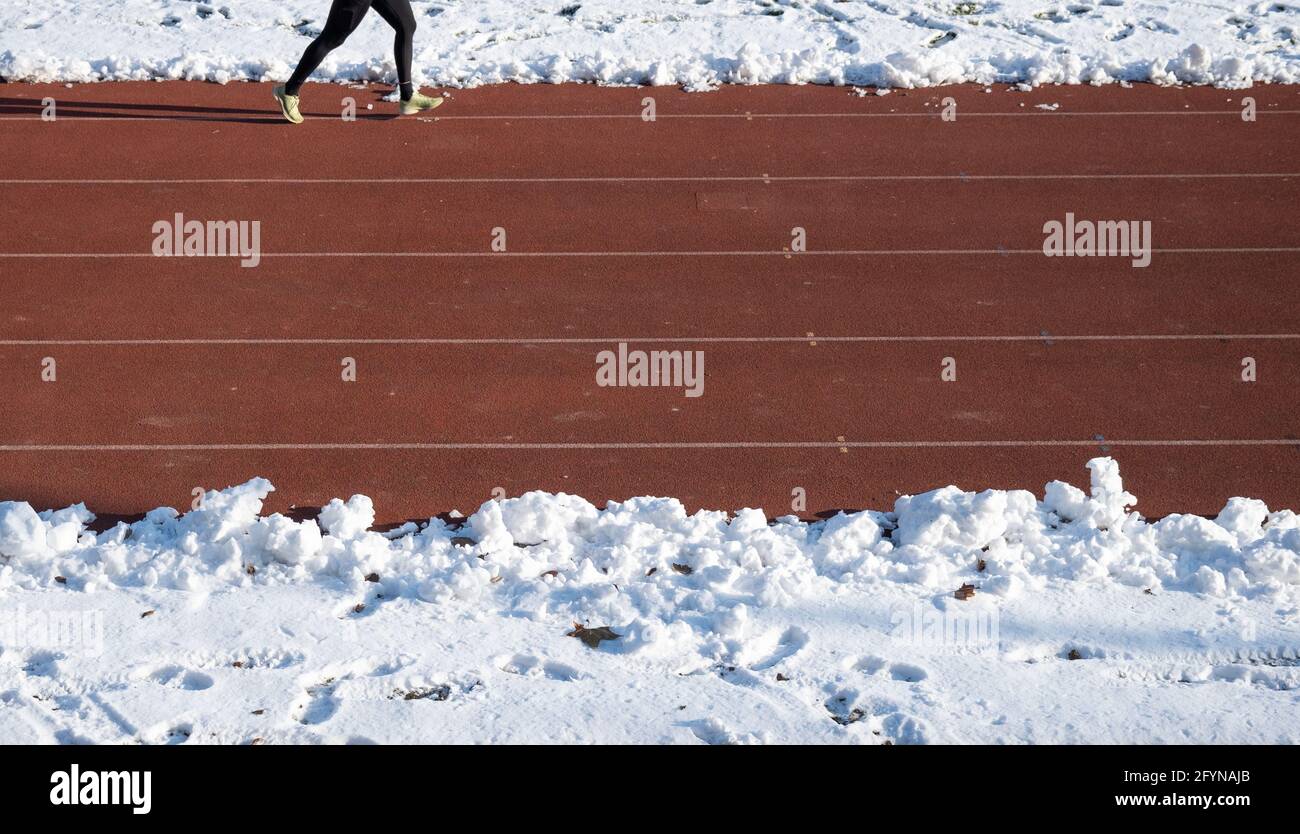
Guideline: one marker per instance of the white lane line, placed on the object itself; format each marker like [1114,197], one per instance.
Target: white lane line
[719,253]
[270,117]
[936,113]
[647,179]
[742,444]
[634,340]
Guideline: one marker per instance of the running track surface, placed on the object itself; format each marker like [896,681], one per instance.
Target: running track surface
[476,369]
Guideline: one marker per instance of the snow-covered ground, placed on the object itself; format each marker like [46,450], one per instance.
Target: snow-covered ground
[695,43]
[544,619]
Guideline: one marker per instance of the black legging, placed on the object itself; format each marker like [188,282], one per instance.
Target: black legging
[344,17]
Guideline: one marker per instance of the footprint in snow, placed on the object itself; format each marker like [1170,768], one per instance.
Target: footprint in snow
[1123,32]
[1080,652]
[905,672]
[317,704]
[842,709]
[881,717]
[383,668]
[1281,680]
[739,675]
[869,664]
[250,659]
[320,699]
[530,666]
[712,731]
[173,676]
[68,736]
[168,734]
[43,664]
[776,646]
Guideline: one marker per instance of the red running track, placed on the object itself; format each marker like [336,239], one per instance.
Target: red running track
[476,368]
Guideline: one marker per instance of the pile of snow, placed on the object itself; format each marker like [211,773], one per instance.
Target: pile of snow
[646,565]
[898,43]
[223,625]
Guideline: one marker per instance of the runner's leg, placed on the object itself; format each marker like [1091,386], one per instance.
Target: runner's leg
[344,17]
[399,15]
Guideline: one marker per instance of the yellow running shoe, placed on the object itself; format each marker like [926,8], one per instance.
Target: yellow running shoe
[288,105]
[419,103]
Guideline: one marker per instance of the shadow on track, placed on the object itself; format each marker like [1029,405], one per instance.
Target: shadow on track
[134,111]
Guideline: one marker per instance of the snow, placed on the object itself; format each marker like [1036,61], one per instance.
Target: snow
[868,43]
[1089,623]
